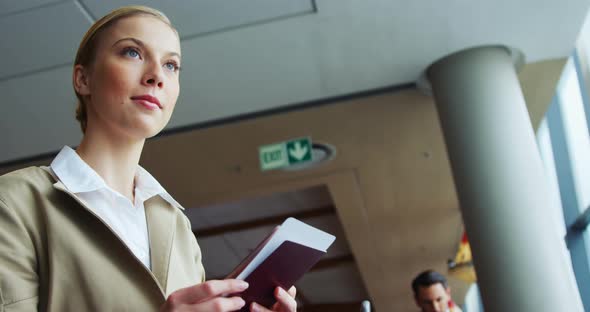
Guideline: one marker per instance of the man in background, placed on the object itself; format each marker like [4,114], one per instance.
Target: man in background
[432,293]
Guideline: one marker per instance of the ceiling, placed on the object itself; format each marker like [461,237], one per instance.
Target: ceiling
[242,57]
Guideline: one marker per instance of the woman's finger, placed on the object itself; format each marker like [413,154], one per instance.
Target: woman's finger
[285,301]
[292,291]
[221,304]
[255,307]
[209,289]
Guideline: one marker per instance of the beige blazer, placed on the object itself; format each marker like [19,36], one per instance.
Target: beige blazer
[56,255]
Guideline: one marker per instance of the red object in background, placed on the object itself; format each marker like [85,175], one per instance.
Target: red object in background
[451,304]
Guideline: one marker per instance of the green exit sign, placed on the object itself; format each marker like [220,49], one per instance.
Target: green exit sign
[285,154]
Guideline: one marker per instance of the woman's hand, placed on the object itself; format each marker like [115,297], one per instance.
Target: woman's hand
[207,296]
[285,302]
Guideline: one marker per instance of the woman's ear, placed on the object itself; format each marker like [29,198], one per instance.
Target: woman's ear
[81,80]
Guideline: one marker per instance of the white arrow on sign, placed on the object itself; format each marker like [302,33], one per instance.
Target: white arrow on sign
[298,152]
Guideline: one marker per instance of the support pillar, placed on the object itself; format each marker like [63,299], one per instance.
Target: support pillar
[501,183]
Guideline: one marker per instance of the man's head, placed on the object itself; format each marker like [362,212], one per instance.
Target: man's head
[431,291]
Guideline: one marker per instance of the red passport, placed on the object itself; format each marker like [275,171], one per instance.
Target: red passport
[300,246]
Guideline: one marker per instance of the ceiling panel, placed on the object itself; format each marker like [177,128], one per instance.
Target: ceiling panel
[17,6]
[244,242]
[256,208]
[193,18]
[256,68]
[40,38]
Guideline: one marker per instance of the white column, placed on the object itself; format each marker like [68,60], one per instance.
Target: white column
[500,182]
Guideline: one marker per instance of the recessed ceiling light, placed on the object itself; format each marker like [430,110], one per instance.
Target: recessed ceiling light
[321,153]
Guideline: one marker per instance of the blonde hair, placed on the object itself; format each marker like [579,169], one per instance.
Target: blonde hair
[87,49]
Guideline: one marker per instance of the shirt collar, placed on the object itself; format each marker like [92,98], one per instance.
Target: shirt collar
[74,173]
[78,177]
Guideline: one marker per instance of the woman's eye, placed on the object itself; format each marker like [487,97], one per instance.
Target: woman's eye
[131,52]
[172,66]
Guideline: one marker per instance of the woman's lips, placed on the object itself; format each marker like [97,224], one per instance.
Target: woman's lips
[148,101]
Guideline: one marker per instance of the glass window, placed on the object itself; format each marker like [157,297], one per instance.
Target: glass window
[576,134]
[546,150]
[564,144]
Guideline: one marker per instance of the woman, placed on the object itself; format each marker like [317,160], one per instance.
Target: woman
[94,231]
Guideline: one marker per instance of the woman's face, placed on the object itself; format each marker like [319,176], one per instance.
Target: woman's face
[133,83]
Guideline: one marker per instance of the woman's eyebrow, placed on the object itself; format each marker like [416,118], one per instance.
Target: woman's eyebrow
[174,54]
[142,45]
[137,41]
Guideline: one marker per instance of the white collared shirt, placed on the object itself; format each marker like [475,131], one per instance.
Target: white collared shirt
[125,218]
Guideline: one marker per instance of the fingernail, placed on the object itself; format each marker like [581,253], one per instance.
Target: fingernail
[242,285]
[242,302]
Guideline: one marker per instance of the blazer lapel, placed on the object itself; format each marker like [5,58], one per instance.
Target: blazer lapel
[60,186]
[161,223]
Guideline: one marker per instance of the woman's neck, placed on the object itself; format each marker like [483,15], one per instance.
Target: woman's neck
[114,160]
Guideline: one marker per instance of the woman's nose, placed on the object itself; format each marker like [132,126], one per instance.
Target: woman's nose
[153,75]
[155,81]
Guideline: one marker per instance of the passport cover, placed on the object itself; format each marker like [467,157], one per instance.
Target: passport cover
[283,268]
